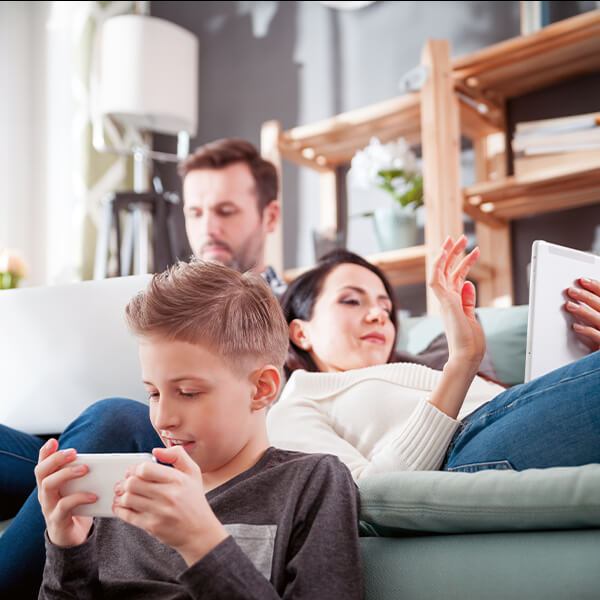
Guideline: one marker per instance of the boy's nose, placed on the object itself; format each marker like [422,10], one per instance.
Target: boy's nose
[166,416]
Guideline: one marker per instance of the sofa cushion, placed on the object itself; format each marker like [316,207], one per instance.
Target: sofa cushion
[405,503]
[505,333]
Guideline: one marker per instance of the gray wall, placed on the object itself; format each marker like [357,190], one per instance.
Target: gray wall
[299,62]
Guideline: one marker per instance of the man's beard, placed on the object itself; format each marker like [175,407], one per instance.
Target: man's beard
[240,260]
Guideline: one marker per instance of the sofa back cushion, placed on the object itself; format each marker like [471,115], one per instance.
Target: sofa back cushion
[505,333]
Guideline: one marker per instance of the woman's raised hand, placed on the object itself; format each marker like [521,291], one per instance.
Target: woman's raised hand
[466,341]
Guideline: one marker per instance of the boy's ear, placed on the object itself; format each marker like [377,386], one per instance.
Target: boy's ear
[267,381]
[299,335]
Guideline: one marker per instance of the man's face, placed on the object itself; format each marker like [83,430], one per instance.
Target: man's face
[222,219]
[197,401]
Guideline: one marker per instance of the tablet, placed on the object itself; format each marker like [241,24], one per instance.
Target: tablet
[551,341]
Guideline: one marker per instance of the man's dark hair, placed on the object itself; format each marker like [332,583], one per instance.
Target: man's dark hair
[225,152]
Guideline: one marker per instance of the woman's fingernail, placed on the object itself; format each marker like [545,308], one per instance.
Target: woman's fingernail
[578,326]
[79,469]
[571,304]
[118,488]
[585,280]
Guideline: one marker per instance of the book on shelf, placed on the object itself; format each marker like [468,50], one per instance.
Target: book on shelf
[552,164]
[576,140]
[558,125]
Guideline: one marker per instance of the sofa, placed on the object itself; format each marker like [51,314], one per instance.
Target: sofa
[495,534]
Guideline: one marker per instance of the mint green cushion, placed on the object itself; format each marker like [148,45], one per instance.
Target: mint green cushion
[442,502]
[506,336]
[505,333]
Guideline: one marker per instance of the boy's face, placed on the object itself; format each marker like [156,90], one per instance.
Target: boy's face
[197,401]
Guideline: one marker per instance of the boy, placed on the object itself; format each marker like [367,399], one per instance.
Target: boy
[233,517]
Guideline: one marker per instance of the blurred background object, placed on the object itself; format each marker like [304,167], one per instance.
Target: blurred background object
[12,268]
[148,82]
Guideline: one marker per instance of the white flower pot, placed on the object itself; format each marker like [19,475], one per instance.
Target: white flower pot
[395,227]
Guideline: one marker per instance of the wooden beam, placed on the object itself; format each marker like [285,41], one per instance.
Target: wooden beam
[441,156]
[269,149]
[328,202]
[494,242]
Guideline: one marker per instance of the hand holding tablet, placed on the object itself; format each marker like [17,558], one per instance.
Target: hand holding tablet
[552,341]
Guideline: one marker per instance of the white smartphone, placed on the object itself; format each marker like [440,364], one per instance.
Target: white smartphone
[105,470]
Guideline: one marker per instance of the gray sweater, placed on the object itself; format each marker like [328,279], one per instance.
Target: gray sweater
[293,524]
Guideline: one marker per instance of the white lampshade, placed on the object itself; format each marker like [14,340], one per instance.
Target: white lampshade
[149,74]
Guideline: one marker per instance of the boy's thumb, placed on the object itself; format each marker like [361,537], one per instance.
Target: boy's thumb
[177,457]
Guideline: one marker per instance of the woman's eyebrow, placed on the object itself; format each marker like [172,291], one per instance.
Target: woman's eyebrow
[360,290]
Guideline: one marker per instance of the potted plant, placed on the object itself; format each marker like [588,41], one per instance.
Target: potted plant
[391,167]
[12,268]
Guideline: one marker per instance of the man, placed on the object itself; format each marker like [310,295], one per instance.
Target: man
[230,206]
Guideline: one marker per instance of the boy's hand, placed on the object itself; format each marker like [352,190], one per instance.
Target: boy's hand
[64,529]
[585,308]
[169,503]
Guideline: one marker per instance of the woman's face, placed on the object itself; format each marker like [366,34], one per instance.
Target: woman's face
[350,326]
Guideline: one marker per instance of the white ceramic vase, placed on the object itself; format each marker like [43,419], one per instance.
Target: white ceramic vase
[395,226]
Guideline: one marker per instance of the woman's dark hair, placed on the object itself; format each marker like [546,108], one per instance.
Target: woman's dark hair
[299,299]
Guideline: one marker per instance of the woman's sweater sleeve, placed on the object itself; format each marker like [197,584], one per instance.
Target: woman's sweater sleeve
[419,444]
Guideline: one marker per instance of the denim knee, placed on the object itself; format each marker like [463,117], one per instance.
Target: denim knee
[112,425]
[105,410]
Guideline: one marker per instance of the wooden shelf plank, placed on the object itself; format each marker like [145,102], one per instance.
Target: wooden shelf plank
[518,185]
[573,35]
[514,197]
[403,266]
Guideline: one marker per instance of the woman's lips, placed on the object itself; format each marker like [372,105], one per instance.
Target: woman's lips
[375,338]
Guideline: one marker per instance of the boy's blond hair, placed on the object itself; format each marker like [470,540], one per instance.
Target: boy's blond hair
[207,303]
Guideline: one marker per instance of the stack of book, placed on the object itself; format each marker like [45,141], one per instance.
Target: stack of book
[556,145]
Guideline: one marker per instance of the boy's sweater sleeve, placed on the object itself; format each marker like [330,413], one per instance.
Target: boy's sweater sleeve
[322,559]
[71,572]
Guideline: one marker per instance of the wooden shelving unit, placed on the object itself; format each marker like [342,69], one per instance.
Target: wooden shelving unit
[465,96]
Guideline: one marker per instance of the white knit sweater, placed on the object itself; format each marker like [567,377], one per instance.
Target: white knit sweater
[374,419]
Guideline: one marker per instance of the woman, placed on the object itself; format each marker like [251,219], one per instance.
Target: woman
[345,395]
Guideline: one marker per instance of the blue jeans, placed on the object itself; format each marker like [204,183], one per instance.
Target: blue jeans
[551,421]
[111,425]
